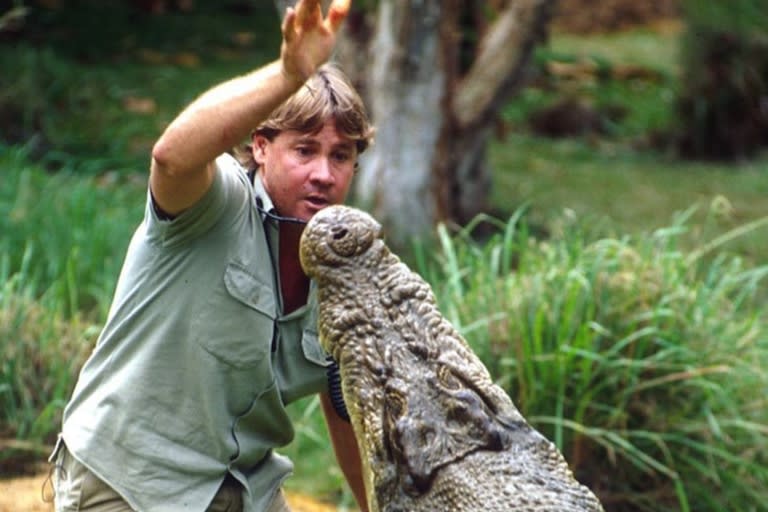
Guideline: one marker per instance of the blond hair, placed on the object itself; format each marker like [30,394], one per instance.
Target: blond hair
[327,94]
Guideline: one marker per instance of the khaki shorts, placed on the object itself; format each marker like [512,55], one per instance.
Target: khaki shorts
[77,489]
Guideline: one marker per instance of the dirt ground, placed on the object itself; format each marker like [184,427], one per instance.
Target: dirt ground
[25,494]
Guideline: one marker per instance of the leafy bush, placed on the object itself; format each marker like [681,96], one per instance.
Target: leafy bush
[641,361]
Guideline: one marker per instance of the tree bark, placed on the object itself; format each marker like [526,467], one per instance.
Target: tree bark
[435,106]
[406,84]
[474,101]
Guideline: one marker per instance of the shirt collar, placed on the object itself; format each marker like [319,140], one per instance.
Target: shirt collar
[262,199]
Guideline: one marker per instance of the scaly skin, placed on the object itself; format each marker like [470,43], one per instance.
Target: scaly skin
[435,433]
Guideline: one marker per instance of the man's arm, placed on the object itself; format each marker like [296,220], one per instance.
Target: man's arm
[346,449]
[181,169]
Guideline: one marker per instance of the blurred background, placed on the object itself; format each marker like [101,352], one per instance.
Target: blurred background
[583,182]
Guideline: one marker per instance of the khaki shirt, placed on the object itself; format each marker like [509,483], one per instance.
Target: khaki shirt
[191,374]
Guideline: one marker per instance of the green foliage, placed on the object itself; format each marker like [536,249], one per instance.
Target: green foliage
[70,85]
[42,351]
[70,231]
[61,109]
[630,350]
[628,78]
[739,16]
[61,249]
[616,189]
[98,30]
[316,471]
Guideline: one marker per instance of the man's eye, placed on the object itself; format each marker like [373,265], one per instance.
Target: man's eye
[304,151]
[342,157]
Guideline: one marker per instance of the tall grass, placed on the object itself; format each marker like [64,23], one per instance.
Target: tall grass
[316,470]
[62,241]
[71,227]
[42,350]
[642,361]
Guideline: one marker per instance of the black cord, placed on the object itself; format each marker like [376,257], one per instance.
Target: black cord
[334,389]
[334,378]
[273,216]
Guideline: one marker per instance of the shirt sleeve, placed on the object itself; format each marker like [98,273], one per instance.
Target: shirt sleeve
[229,194]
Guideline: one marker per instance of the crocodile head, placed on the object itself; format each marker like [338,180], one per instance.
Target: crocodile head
[415,406]
[430,423]
[339,238]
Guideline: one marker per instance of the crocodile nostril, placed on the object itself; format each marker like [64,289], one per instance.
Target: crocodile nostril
[339,234]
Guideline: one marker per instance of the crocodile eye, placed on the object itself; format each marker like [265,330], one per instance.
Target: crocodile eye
[448,379]
[342,242]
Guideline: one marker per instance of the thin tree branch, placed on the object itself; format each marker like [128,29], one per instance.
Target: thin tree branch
[504,53]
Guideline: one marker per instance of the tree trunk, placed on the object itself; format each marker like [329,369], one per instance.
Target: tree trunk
[405,84]
[435,102]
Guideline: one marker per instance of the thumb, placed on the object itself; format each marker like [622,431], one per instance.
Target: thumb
[289,25]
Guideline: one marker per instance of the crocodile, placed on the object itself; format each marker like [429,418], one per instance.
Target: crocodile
[435,432]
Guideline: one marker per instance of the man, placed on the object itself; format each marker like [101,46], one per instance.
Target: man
[212,327]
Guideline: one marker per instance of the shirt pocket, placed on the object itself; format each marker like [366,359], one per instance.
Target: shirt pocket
[237,325]
[313,352]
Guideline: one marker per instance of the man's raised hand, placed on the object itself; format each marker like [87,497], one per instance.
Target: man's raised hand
[308,39]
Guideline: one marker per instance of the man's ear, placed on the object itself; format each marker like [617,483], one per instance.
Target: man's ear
[259,148]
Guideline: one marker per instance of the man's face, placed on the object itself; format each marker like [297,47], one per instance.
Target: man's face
[304,172]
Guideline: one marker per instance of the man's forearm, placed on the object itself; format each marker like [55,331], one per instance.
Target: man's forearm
[221,118]
[347,451]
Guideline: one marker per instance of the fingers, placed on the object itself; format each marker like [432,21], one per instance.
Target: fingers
[307,18]
[337,13]
[308,13]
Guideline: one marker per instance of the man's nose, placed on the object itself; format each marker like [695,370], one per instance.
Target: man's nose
[322,171]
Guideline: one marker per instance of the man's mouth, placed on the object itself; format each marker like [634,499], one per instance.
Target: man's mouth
[317,201]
